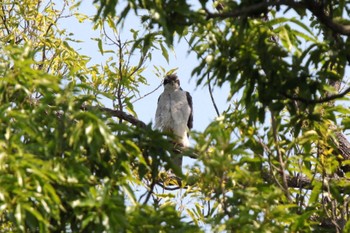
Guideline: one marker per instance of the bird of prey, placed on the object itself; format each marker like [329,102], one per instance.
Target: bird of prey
[175,113]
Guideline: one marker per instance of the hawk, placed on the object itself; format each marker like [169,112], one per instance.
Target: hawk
[175,113]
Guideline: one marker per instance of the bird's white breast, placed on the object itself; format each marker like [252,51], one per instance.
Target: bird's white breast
[173,112]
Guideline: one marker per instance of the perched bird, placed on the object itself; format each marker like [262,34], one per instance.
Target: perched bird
[175,113]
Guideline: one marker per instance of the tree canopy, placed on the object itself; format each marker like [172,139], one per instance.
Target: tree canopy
[277,159]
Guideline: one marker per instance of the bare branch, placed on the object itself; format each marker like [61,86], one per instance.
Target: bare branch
[149,93]
[124,116]
[169,188]
[212,97]
[343,145]
[280,156]
[150,191]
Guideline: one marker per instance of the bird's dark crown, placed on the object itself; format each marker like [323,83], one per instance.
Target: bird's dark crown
[171,78]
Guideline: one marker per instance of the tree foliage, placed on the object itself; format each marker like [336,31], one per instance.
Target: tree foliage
[276,160]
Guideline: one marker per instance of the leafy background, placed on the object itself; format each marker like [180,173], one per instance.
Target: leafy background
[76,157]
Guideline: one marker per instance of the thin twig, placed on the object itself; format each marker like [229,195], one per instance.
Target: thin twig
[279,155]
[212,97]
[150,192]
[149,93]
[170,188]
[209,85]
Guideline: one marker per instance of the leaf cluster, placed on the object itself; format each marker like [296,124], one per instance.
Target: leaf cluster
[276,160]
[280,141]
[66,165]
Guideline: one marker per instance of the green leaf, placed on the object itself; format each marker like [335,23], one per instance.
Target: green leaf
[317,189]
[130,194]
[164,52]
[285,39]
[36,214]
[99,43]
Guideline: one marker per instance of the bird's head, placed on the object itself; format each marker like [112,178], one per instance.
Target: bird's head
[171,81]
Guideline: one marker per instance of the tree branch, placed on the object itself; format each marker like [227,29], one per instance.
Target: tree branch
[124,116]
[120,114]
[317,101]
[151,92]
[254,8]
[301,181]
[279,156]
[315,8]
[212,97]
[343,145]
